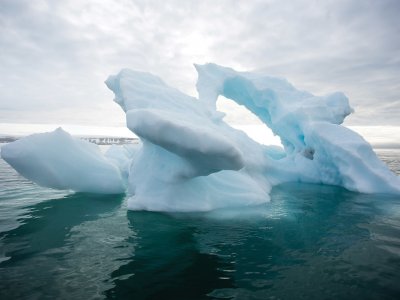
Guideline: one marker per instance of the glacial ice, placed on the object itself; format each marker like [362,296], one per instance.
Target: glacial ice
[60,161]
[189,159]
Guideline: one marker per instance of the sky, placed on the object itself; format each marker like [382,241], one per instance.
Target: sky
[55,55]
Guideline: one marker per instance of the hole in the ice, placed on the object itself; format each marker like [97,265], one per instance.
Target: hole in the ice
[241,118]
[309,153]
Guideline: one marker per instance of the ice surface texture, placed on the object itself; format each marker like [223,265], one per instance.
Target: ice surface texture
[191,160]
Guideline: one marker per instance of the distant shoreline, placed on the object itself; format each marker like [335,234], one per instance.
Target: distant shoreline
[99,140]
[111,140]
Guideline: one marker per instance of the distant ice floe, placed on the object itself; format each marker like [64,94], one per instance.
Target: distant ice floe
[191,160]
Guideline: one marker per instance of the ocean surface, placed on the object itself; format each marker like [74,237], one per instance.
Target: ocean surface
[309,242]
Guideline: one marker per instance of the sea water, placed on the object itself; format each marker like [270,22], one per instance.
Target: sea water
[309,242]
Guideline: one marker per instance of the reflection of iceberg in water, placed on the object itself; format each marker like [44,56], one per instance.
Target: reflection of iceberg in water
[87,246]
[310,235]
[191,160]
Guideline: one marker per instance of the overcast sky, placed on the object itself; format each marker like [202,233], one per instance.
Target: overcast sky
[55,55]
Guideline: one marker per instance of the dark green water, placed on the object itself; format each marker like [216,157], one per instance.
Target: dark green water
[309,242]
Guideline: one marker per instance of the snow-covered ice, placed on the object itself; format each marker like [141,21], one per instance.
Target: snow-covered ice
[191,160]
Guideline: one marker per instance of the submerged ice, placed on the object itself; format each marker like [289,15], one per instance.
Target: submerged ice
[189,159]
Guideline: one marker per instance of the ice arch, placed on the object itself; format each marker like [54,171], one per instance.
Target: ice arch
[284,109]
[241,118]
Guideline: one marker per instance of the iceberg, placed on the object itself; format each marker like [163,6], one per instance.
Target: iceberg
[60,161]
[190,159]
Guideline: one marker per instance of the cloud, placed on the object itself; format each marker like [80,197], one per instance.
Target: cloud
[56,54]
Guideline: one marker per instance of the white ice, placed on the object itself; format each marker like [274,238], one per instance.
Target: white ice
[60,161]
[189,159]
